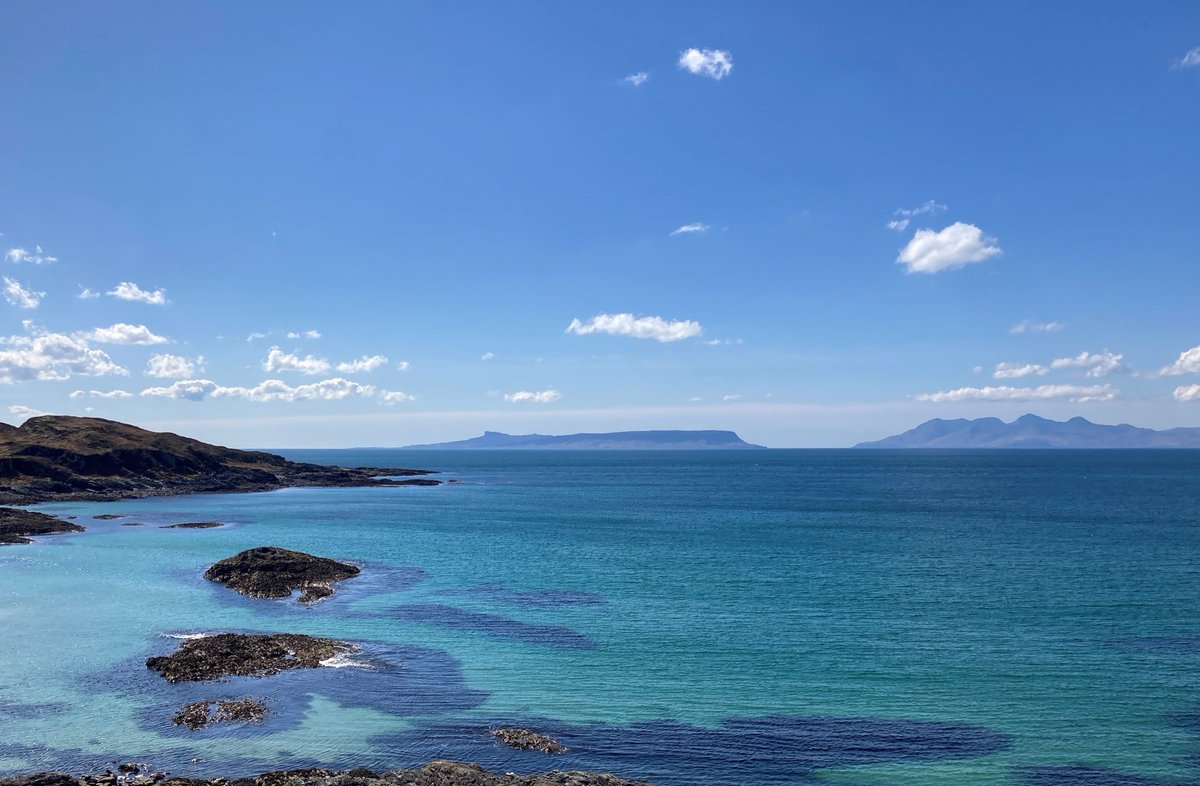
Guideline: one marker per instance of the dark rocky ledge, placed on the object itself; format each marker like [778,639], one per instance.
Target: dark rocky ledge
[437,773]
[193,525]
[272,572]
[17,524]
[528,740]
[58,457]
[244,655]
[200,714]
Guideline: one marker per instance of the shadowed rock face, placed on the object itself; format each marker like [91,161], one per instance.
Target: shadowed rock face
[244,655]
[272,572]
[201,714]
[16,524]
[58,457]
[437,773]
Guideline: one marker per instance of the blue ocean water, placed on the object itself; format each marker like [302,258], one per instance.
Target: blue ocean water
[692,619]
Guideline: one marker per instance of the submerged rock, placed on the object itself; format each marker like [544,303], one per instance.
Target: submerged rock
[132,524]
[194,525]
[244,655]
[272,572]
[17,524]
[109,516]
[528,740]
[200,714]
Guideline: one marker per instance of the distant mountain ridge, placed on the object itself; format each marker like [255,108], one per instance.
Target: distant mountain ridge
[1031,431]
[616,440]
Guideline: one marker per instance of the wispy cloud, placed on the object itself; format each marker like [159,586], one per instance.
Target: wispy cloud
[1029,326]
[533,397]
[124,333]
[127,290]
[255,336]
[166,366]
[102,394]
[269,390]
[1039,393]
[954,247]
[363,364]
[1187,393]
[904,216]
[23,412]
[1189,60]
[1188,362]
[1018,370]
[656,328]
[88,294]
[488,356]
[305,334]
[712,63]
[691,229]
[1100,364]
[20,296]
[395,396]
[277,360]
[35,257]
[638,79]
[52,356]
[403,365]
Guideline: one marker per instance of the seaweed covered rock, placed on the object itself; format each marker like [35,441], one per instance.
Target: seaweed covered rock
[244,655]
[201,714]
[272,572]
[528,740]
[16,525]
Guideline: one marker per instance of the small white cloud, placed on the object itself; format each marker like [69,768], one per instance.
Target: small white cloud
[123,333]
[691,229]
[36,257]
[395,396]
[78,393]
[305,334]
[403,365]
[1039,393]
[1029,326]
[269,390]
[108,394]
[638,79]
[731,397]
[186,389]
[1097,365]
[487,356]
[23,412]
[538,397]
[166,366]
[1187,393]
[1188,362]
[88,294]
[19,296]
[656,328]
[52,356]
[362,365]
[1190,60]
[955,246]
[1018,370]
[255,336]
[277,360]
[127,290]
[905,215]
[694,399]
[713,63]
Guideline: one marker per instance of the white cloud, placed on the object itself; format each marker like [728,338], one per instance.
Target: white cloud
[269,390]
[106,394]
[403,365]
[1187,393]
[955,246]
[362,364]
[1029,326]
[23,412]
[277,360]
[1097,365]
[123,333]
[1188,362]
[88,294]
[713,63]
[255,336]
[394,396]
[127,290]
[19,296]
[638,79]
[1018,370]
[166,366]
[1191,59]
[538,397]
[487,356]
[305,334]
[1039,393]
[688,229]
[52,356]
[905,215]
[731,397]
[78,393]
[656,328]
[37,257]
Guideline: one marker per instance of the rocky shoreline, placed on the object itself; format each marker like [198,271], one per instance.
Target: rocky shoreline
[17,526]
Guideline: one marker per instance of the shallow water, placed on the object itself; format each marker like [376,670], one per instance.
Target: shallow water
[781,617]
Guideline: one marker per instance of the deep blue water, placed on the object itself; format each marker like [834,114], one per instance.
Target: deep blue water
[693,619]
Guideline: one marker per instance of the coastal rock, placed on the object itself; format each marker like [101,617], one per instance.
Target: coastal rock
[244,655]
[273,572]
[194,525]
[436,773]
[528,740]
[132,524]
[60,457]
[16,525]
[201,714]
[109,516]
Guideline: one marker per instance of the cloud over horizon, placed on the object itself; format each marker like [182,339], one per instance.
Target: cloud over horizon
[626,324]
[1076,393]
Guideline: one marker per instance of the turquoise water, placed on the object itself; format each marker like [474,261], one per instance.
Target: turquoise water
[802,617]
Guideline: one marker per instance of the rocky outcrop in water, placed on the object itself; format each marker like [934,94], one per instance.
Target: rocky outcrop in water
[437,773]
[272,572]
[16,525]
[244,655]
[201,714]
[58,457]
[194,525]
[528,740]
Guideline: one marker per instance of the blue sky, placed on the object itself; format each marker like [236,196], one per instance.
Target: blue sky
[451,187]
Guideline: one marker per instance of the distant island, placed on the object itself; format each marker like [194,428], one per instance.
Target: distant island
[615,440]
[1031,431]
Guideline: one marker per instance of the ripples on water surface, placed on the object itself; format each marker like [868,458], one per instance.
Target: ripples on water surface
[807,617]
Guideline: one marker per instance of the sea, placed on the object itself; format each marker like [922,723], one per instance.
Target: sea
[875,618]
